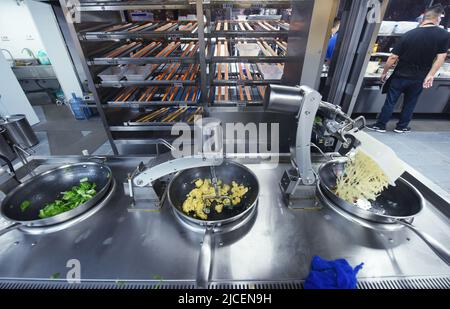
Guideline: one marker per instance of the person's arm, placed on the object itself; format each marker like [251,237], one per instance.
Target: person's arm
[388,65]
[440,59]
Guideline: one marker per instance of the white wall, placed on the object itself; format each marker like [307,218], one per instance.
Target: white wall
[12,97]
[17,29]
[32,24]
[47,25]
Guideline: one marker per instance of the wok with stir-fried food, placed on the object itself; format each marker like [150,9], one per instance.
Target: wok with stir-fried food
[200,197]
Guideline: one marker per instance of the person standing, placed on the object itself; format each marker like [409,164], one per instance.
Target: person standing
[419,54]
[333,39]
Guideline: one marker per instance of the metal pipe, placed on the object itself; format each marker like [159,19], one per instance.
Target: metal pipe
[30,53]
[20,153]
[10,166]
[12,57]
[201,51]
[164,142]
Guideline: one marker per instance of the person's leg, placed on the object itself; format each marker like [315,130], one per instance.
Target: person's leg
[412,93]
[394,92]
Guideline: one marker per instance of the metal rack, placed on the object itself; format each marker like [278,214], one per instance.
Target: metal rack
[237,77]
[187,67]
[166,56]
[166,29]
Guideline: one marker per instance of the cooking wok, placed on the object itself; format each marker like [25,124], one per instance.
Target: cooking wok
[183,182]
[397,204]
[47,187]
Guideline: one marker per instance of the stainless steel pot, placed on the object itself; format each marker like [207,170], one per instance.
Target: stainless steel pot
[183,182]
[19,131]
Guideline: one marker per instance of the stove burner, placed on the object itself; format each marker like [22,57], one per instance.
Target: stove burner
[63,225]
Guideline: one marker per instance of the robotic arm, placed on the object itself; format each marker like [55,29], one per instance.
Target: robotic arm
[305,103]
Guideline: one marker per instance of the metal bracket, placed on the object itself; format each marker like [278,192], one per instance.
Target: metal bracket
[146,199]
[166,164]
[304,195]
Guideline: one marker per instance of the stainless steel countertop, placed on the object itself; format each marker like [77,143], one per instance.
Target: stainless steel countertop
[116,244]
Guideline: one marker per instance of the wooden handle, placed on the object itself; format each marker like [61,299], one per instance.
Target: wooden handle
[120,50]
[141,27]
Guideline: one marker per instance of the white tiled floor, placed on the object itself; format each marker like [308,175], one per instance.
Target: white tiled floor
[40,113]
[104,149]
[427,152]
[63,134]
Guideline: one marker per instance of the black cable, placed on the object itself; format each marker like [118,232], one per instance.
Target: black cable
[10,166]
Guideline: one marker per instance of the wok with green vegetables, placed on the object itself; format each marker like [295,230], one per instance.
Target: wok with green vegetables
[58,194]
[70,199]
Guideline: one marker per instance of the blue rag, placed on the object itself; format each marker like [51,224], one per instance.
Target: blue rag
[336,274]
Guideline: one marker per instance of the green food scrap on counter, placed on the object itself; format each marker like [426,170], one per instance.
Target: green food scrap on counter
[55,276]
[158,285]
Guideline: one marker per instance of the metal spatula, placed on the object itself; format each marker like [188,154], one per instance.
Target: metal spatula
[383,155]
[216,189]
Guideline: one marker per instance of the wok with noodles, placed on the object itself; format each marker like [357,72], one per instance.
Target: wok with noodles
[362,181]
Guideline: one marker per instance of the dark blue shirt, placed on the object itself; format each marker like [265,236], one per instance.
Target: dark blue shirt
[331,45]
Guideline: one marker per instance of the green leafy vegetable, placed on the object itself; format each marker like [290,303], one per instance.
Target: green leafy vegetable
[55,276]
[70,199]
[24,205]
[158,285]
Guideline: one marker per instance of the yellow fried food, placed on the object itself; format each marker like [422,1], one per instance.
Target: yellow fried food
[196,203]
[219,208]
[238,190]
[198,183]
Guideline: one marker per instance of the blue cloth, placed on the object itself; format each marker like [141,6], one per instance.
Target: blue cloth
[336,274]
[331,45]
[412,89]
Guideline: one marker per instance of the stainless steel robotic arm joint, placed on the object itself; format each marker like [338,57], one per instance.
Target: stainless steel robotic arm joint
[166,164]
[151,177]
[305,102]
[338,124]
[210,139]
